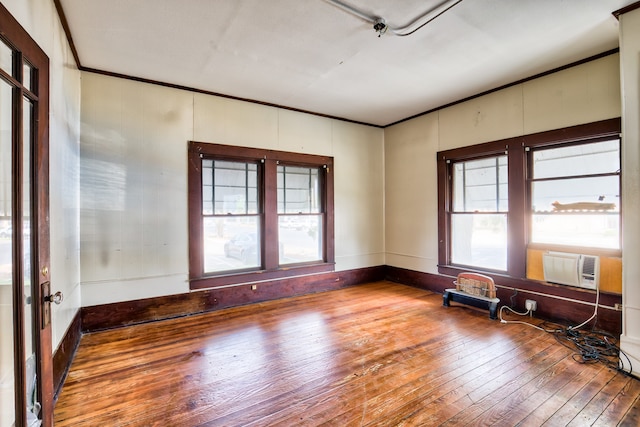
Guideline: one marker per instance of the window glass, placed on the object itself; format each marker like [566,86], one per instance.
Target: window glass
[480,185]
[6,58]
[7,221]
[479,221]
[300,218]
[576,160]
[27,76]
[229,188]
[231,243]
[298,190]
[479,240]
[578,195]
[575,195]
[231,224]
[584,230]
[300,238]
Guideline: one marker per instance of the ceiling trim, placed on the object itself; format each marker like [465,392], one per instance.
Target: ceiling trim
[526,79]
[67,31]
[221,95]
[626,9]
[268,104]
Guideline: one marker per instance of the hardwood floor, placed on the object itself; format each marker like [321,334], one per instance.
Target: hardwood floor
[380,354]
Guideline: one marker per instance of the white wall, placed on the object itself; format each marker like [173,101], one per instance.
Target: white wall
[630,72]
[577,95]
[41,21]
[133,217]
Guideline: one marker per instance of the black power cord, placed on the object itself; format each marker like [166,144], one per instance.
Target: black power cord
[592,347]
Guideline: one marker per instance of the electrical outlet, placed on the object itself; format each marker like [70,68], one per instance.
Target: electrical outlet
[530,305]
[254,287]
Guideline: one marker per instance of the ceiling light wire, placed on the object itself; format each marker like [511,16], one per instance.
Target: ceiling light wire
[429,16]
[353,11]
[380,26]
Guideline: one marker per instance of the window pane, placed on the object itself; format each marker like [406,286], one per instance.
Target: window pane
[26,76]
[300,238]
[577,212]
[231,243]
[583,230]
[577,194]
[6,171]
[7,353]
[479,240]
[6,58]
[207,187]
[298,190]
[229,188]
[575,160]
[29,302]
[481,185]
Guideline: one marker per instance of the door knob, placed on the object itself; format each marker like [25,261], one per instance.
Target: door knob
[55,298]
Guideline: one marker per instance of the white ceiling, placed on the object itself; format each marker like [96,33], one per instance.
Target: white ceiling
[313,56]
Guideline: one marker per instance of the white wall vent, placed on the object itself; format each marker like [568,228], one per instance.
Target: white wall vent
[571,269]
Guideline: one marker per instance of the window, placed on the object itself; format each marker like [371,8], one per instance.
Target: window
[257,214]
[479,215]
[575,195]
[554,190]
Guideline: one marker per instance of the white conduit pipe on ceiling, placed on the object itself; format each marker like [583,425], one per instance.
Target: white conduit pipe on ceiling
[380,25]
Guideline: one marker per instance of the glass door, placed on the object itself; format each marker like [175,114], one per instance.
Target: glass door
[25,332]
[7,375]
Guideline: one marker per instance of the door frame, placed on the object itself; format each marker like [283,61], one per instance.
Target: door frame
[17,37]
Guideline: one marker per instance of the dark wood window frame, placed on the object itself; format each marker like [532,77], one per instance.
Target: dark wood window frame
[518,219]
[269,160]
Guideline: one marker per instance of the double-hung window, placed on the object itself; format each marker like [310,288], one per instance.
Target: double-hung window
[257,214]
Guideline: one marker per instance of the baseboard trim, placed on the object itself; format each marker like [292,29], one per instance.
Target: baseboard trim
[127,313]
[64,354]
[550,307]
[115,315]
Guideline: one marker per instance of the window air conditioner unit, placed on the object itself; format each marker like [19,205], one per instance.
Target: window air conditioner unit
[571,269]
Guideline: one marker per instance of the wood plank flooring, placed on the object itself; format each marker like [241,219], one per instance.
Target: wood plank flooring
[380,354]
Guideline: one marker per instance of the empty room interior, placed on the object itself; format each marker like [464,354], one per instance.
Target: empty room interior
[329,212]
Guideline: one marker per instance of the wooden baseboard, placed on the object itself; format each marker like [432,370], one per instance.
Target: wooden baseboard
[552,300]
[109,316]
[63,356]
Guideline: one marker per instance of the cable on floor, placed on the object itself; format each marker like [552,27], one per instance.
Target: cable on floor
[594,347]
[526,313]
[588,346]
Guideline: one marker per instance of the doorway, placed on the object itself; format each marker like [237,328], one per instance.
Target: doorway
[26,385]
